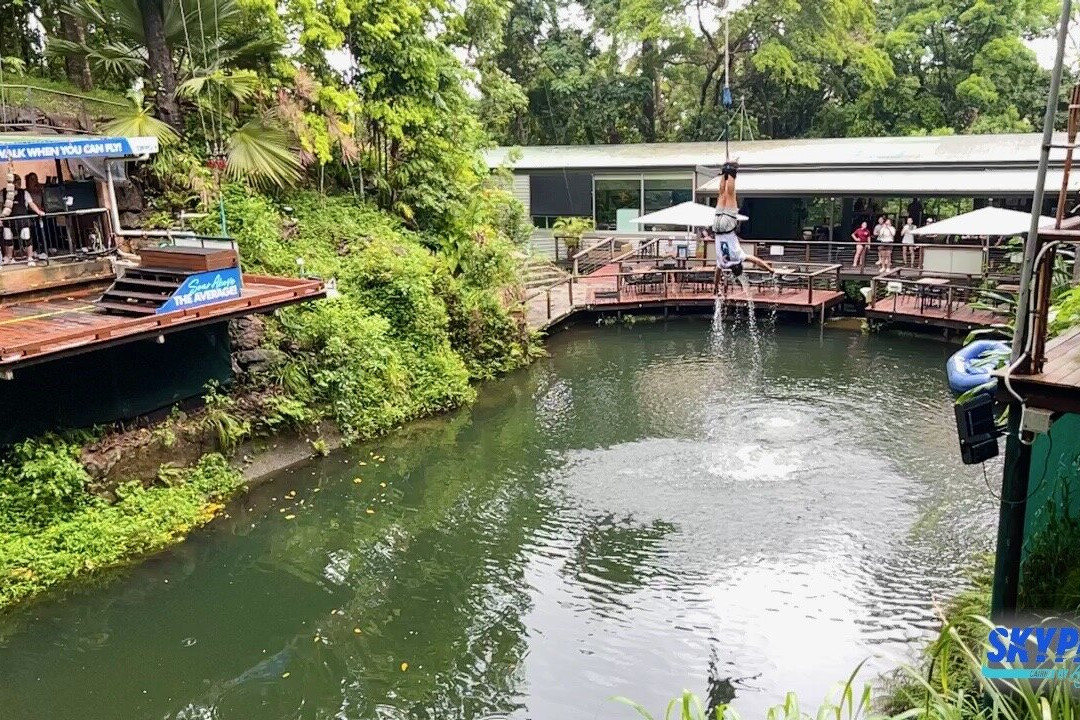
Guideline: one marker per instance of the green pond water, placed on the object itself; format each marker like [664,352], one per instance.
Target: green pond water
[651,508]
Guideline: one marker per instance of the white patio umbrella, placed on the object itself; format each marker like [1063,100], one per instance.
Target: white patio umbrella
[989,221]
[687,214]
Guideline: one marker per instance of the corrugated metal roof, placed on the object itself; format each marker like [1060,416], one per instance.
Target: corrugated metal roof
[912,152]
[894,181]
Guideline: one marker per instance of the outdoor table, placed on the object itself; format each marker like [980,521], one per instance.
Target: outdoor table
[926,287]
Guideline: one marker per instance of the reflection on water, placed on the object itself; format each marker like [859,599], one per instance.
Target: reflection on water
[646,510]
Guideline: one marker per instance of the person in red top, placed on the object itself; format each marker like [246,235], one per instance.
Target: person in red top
[861,236]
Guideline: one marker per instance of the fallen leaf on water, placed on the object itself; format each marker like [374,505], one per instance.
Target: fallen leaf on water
[285,675]
[358,480]
[356,630]
[290,517]
[382,484]
[404,666]
[370,511]
[316,490]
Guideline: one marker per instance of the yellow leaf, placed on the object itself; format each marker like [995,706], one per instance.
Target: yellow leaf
[370,511]
[290,517]
[382,484]
[285,675]
[404,666]
[356,630]
[358,480]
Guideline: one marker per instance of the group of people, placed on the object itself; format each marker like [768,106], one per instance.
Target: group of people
[20,233]
[884,234]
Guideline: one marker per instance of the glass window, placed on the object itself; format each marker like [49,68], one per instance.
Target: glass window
[662,193]
[617,202]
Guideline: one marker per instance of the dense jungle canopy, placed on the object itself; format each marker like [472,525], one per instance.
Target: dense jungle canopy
[394,97]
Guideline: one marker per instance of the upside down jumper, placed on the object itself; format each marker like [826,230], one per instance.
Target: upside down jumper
[731,256]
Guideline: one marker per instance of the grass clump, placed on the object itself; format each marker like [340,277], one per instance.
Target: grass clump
[66,538]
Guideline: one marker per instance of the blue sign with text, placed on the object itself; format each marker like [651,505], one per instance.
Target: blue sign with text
[204,289]
[1033,652]
[66,148]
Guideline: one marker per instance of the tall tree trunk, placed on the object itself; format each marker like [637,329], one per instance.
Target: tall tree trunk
[159,62]
[77,67]
[650,70]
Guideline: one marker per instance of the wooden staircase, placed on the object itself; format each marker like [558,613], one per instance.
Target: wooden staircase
[142,290]
[537,273]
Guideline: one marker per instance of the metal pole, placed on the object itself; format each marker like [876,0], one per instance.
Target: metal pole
[1031,246]
[1014,483]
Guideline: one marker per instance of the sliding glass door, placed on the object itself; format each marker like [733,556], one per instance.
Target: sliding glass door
[619,199]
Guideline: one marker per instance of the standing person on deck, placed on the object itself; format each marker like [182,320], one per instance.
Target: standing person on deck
[729,253]
[16,225]
[886,237]
[907,239]
[861,236]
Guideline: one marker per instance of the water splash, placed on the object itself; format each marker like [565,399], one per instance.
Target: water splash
[717,333]
[751,323]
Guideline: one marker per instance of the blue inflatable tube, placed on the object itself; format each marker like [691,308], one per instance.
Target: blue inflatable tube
[964,377]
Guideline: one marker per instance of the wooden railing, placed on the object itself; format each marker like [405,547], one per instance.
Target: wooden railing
[808,276]
[997,260]
[546,293]
[955,292]
[708,280]
[586,262]
[647,250]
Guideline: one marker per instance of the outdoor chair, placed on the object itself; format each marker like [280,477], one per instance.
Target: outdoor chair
[702,280]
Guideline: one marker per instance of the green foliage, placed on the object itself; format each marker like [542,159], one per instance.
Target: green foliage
[1066,313]
[406,334]
[93,534]
[571,229]
[1051,569]
[39,479]
[138,121]
[221,419]
[260,153]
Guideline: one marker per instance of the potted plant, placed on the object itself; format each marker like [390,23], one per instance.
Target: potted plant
[570,230]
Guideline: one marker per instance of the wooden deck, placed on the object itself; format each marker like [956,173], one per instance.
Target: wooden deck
[1057,387]
[955,316]
[602,292]
[40,330]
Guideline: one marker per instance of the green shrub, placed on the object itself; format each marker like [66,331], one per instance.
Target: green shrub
[98,535]
[412,326]
[41,479]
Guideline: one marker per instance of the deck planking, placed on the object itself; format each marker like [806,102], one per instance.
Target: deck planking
[1057,387]
[600,292]
[958,316]
[44,329]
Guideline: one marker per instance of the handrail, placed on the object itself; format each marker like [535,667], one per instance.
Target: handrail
[48,241]
[636,251]
[602,241]
[610,241]
[568,281]
[77,96]
[957,291]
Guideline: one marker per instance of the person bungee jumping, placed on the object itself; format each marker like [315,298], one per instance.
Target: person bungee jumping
[730,254]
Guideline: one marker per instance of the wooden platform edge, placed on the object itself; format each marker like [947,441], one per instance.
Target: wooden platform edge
[291,291]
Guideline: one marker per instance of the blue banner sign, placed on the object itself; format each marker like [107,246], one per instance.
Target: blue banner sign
[205,289]
[1044,651]
[70,148]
